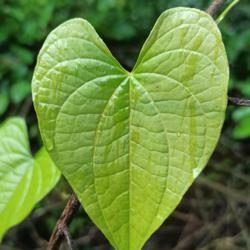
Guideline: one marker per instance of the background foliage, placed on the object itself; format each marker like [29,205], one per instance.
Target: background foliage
[219,195]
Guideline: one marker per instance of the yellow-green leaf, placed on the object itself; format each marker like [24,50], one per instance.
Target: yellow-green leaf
[131,143]
[24,180]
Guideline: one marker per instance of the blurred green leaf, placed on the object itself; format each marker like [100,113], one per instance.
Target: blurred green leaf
[24,55]
[242,130]
[241,113]
[19,91]
[24,180]
[243,87]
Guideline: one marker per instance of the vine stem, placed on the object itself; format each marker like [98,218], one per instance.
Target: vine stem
[214,7]
[226,11]
[238,101]
[60,231]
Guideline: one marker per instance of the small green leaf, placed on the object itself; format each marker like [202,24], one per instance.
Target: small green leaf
[242,130]
[19,91]
[241,113]
[131,144]
[24,180]
[24,55]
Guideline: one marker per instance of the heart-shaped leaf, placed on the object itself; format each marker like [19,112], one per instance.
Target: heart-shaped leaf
[130,144]
[24,180]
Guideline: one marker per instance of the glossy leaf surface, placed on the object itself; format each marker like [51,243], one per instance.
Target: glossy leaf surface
[24,180]
[131,144]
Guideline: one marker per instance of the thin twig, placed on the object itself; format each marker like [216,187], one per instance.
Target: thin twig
[214,7]
[227,191]
[67,236]
[238,101]
[60,231]
[226,11]
[200,233]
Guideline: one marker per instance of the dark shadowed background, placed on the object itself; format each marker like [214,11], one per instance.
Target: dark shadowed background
[215,213]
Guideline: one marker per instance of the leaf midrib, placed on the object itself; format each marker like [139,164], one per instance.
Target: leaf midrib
[94,152]
[166,134]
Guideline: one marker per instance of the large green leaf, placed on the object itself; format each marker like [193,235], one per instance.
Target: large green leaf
[24,180]
[130,144]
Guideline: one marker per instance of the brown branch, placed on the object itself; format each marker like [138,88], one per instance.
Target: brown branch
[238,101]
[60,231]
[214,7]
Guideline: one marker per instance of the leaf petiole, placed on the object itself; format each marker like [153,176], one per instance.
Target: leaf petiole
[226,11]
